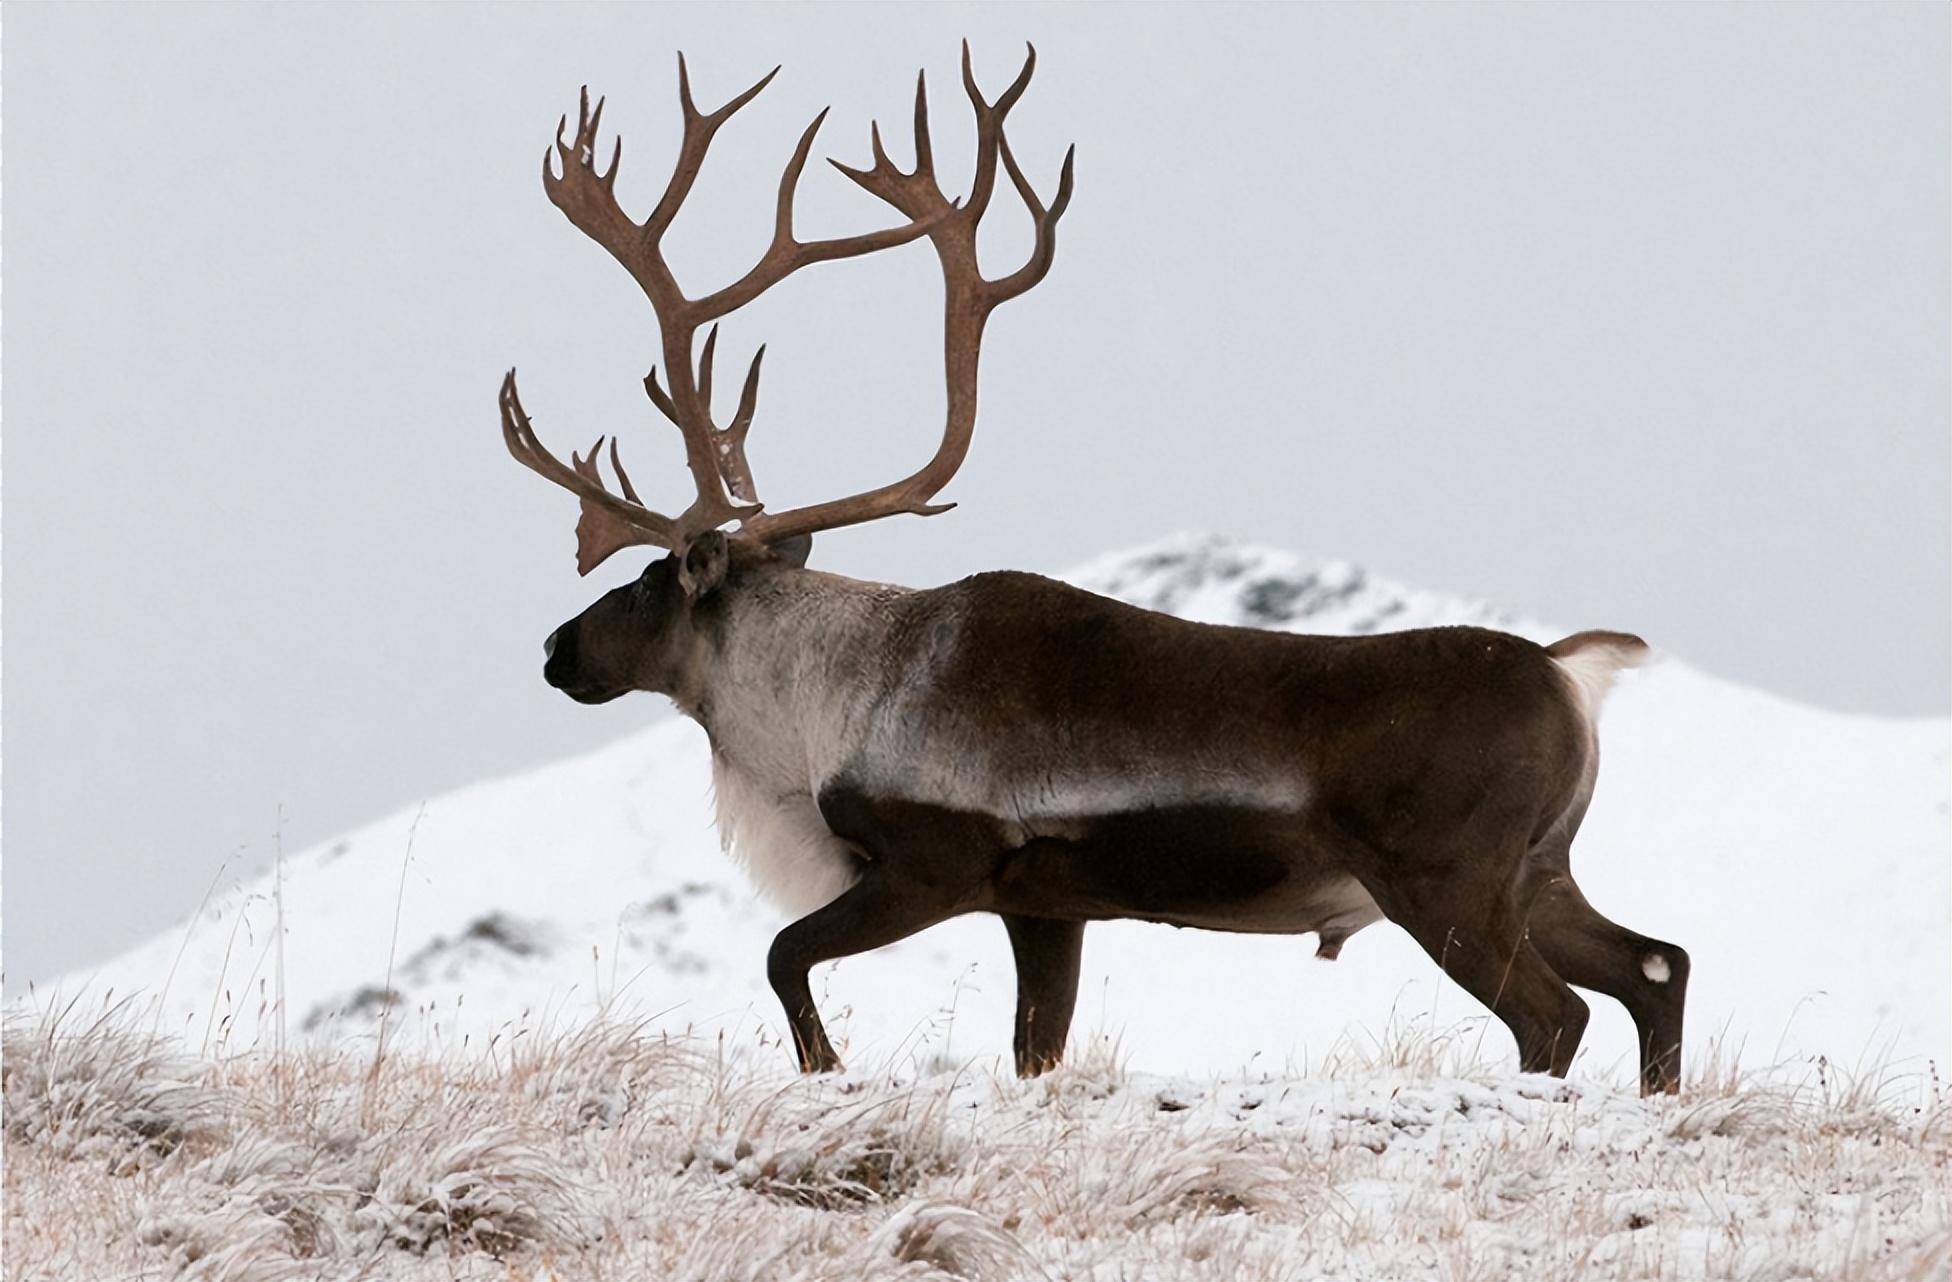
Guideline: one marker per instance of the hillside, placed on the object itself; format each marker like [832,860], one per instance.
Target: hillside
[1803,857]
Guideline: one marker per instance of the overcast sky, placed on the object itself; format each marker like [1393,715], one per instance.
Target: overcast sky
[1624,316]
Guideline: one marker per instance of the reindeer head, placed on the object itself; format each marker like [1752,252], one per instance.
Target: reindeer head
[645,636]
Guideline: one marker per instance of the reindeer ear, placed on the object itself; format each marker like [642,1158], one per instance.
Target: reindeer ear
[704,564]
[793,551]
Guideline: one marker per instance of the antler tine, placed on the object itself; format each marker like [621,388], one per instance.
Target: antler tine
[728,443]
[969,297]
[661,398]
[788,254]
[789,180]
[924,147]
[989,126]
[1016,90]
[916,193]
[623,477]
[699,128]
[705,371]
[519,435]
[1044,251]
[748,397]
[732,464]
[591,205]
[588,122]
[607,523]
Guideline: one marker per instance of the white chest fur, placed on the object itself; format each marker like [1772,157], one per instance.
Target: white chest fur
[794,862]
[787,699]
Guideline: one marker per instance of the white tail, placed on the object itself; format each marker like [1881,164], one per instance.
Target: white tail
[1591,661]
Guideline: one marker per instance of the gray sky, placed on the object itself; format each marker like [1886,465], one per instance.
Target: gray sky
[1625,316]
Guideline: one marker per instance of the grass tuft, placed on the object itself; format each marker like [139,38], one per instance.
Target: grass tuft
[608,1152]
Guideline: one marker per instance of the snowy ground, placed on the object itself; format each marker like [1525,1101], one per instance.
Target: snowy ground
[603,1155]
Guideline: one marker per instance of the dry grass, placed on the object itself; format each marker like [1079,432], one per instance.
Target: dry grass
[605,1154]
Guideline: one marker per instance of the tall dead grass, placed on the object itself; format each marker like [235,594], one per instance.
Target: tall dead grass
[607,1152]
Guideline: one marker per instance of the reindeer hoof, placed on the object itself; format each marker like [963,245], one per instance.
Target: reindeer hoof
[821,1063]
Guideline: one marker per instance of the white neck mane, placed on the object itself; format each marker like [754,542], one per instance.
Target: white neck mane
[787,701]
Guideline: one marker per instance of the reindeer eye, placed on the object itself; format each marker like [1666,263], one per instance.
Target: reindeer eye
[650,582]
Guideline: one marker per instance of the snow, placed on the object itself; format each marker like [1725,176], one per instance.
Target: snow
[603,1154]
[1803,857]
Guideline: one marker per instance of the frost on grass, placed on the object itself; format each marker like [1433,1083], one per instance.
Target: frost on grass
[107,1095]
[608,1153]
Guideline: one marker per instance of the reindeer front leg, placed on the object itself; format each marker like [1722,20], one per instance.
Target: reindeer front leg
[877,910]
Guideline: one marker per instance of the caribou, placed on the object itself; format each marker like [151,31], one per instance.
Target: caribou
[885,758]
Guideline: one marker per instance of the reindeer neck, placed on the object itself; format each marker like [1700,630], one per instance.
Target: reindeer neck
[794,670]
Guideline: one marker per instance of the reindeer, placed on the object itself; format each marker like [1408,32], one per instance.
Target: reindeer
[886,758]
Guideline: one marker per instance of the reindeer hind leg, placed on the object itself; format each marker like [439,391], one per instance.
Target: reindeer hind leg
[1479,941]
[1648,976]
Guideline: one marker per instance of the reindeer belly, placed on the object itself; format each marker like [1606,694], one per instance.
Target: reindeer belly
[1247,866]
[1214,867]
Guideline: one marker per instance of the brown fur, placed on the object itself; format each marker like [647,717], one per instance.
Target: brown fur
[1023,747]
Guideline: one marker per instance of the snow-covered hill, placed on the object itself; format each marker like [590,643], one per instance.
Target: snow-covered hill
[1803,857]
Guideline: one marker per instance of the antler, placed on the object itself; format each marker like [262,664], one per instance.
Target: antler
[968,297]
[608,523]
[715,455]
[728,443]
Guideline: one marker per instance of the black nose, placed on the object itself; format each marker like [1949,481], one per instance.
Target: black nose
[559,655]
